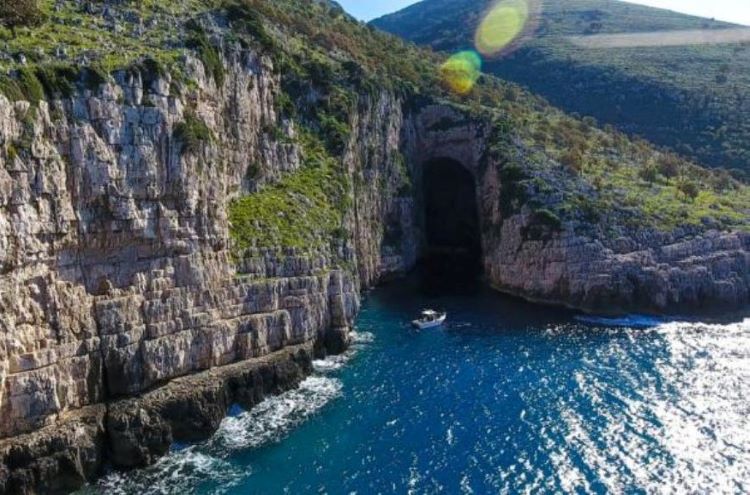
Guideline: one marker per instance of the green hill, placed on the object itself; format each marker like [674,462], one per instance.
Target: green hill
[329,63]
[694,99]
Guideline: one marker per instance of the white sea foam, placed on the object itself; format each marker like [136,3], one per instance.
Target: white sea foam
[273,418]
[184,470]
[331,363]
[335,363]
[362,337]
[177,473]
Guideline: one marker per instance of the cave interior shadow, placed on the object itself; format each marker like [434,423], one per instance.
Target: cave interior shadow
[451,259]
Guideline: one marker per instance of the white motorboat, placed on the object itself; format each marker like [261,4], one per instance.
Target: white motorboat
[430,319]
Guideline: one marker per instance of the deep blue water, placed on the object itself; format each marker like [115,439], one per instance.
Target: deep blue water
[507,398]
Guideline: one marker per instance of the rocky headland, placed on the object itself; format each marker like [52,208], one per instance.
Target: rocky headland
[175,240]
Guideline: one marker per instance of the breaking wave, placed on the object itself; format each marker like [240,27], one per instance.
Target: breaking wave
[272,419]
[208,467]
[180,472]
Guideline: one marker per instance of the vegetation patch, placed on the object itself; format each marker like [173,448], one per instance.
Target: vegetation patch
[16,13]
[58,81]
[513,189]
[192,133]
[29,86]
[304,210]
[207,53]
[246,19]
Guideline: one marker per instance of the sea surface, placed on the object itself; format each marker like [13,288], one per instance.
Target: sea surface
[509,397]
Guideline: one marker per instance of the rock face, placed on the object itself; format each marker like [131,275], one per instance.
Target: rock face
[657,273]
[126,322]
[116,280]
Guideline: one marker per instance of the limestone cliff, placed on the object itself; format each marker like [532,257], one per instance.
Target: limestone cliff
[117,278]
[176,240]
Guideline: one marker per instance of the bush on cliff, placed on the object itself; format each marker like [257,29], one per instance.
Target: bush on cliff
[15,13]
[192,133]
[207,53]
[247,20]
[24,85]
[305,210]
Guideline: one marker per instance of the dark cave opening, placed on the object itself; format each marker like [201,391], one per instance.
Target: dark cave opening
[453,244]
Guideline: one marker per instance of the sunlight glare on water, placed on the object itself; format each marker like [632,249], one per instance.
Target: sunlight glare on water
[507,398]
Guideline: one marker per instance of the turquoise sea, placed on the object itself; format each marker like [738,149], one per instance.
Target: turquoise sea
[509,397]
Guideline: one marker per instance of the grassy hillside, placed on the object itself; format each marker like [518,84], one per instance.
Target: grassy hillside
[694,99]
[564,168]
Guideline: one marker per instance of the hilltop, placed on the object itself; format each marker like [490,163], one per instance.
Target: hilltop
[317,46]
[194,194]
[693,99]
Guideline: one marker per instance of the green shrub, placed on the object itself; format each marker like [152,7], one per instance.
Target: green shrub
[192,133]
[513,193]
[12,152]
[58,81]
[30,87]
[548,219]
[573,160]
[688,187]
[246,19]
[207,53]
[150,70]
[335,133]
[649,173]
[14,13]
[94,76]
[669,165]
[10,88]
[253,171]
[285,104]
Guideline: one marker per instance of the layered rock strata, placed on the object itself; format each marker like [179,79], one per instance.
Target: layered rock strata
[117,281]
[127,322]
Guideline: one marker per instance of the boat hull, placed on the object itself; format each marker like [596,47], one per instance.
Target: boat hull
[422,325]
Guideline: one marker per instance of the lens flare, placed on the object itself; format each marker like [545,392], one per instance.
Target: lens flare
[503,24]
[460,72]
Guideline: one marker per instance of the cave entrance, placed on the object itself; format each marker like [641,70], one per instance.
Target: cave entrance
[453,243]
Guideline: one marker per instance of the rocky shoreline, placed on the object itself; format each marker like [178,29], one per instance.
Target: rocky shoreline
[127,320]
[662,274]
[135,432]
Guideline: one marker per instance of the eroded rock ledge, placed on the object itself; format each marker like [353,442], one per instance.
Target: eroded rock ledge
[126,319]
[135,432]
[656,273]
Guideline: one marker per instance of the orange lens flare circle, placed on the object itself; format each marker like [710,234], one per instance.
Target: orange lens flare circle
[461,71]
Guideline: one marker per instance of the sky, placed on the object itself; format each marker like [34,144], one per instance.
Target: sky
[737,11]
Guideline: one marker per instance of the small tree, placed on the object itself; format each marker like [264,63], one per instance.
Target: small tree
[688,187]
[669,165]
[20,13]
[648,173]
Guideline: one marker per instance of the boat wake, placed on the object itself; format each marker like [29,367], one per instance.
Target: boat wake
[630,321]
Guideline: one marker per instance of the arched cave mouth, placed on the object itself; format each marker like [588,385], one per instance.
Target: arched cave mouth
[453,243]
